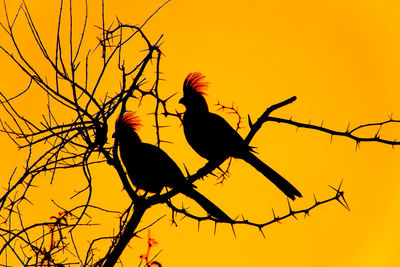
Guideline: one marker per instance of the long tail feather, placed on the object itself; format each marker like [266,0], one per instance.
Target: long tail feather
[206,204]
[287,188]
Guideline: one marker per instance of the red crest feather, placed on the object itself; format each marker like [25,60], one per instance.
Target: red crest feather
[129,120]
[194,83]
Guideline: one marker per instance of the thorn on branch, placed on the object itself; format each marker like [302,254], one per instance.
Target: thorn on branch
[261,231]
[233,230]
[250,123]
[340,196]
[273,213]
[290,209]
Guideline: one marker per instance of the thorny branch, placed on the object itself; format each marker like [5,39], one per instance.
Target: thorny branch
[350,133]
[338,196]
[74,129]
[76,143]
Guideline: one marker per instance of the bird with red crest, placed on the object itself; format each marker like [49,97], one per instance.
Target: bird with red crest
[151,169]
[214,139]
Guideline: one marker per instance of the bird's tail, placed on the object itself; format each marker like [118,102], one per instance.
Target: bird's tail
[287,188]
[206,204]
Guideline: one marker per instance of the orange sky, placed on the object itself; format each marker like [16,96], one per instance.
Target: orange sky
[341,60]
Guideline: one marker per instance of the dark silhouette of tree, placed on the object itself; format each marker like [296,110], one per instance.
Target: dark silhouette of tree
[74,134]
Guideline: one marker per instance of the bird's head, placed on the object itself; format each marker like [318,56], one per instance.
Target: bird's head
[127,126]
[193,92]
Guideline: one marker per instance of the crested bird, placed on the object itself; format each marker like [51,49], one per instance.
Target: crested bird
[214,139]
[151,169]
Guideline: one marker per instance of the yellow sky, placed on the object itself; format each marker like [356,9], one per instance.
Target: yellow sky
[341,60]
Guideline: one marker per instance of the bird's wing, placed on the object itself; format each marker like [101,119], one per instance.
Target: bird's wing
[224,137]
[161,164]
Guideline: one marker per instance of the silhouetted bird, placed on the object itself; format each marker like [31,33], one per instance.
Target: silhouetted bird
[214,139]
[151,169]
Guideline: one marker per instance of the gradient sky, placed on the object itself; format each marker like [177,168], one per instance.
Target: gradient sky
[341,60]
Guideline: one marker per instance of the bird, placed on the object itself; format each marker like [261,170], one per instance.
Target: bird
[151,169]
[214,139]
